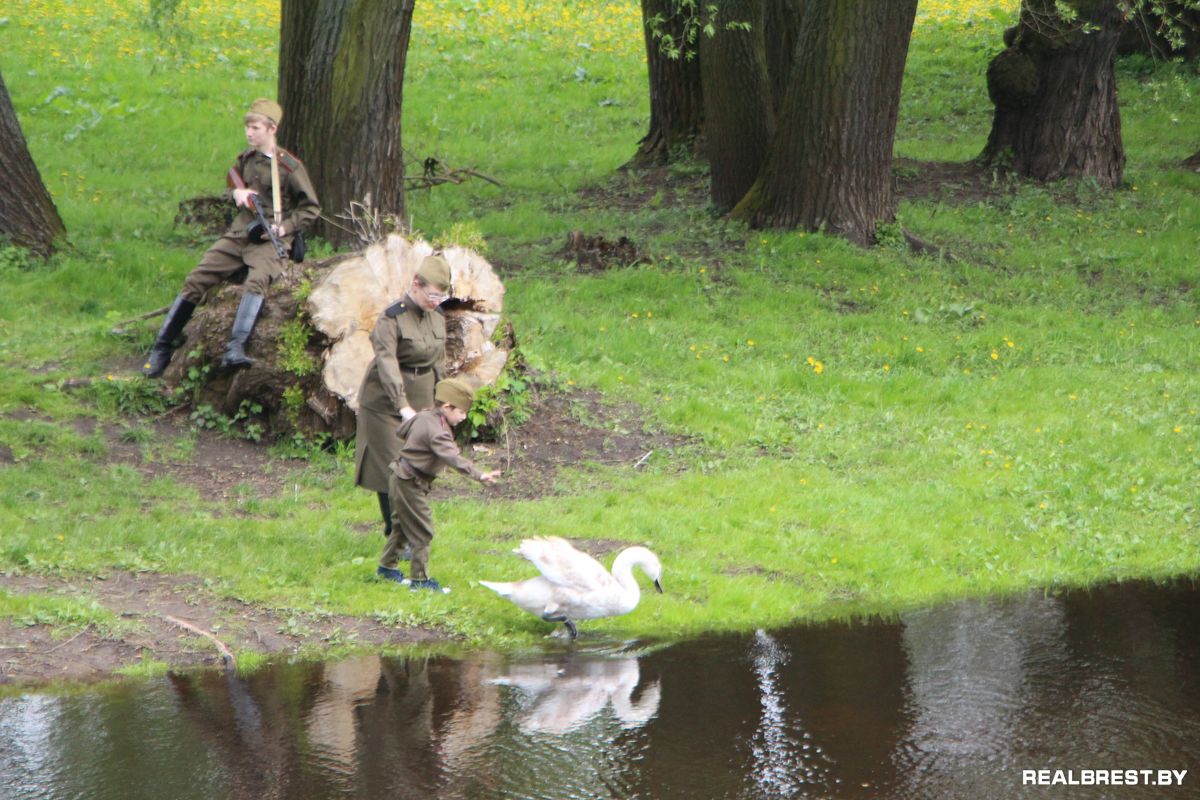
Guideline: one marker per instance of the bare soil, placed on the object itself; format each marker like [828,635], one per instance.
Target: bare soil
[565,431]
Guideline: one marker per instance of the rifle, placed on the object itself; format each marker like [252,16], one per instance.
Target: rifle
[256,229]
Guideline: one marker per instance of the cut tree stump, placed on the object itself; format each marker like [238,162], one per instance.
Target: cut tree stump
[311,345]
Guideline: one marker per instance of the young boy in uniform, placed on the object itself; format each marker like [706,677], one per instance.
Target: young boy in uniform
[427,450]
[236,247]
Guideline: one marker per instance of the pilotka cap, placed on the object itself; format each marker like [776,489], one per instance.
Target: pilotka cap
[455,392]
[435,271]
[267,108]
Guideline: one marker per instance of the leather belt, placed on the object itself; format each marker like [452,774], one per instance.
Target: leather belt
[416,370]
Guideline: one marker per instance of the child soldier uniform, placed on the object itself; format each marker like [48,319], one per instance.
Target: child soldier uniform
[427,450]
[242,246]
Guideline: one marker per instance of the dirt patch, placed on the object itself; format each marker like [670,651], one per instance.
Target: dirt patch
[597,253]
[147,605]
[215,465]
[565,431]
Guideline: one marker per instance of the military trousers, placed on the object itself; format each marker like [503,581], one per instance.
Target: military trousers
[412,523]
[226,257]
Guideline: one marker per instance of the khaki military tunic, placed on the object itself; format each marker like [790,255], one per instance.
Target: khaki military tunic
[233,249]
[427,449]
[410,354]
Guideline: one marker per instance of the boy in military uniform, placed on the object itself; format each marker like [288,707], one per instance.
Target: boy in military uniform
[237,247]
[427,450]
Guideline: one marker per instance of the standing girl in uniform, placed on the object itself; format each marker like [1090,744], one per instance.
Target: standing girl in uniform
[409,341]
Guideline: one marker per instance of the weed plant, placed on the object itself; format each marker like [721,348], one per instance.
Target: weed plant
[874,431]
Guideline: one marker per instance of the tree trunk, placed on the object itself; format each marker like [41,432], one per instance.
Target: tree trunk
[1055,92]
[311,345]
[781,29]
[28,217]
[739,118]
[676,103]
[341,80]
[1192,162]
[830,161]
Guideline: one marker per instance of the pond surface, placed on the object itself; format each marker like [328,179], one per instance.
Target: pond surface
[953,702]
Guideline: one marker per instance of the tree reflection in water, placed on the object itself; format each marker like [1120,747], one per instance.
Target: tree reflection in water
[783,762]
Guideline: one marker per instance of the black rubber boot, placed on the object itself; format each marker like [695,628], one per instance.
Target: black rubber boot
[385,508]
[243,324]
[168,336]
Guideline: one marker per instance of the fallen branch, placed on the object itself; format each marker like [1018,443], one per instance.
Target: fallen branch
[64,644]
[641,462]
[435,173]
[119,328]
[226,655]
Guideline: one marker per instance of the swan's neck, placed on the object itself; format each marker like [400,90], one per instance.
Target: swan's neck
[622,569]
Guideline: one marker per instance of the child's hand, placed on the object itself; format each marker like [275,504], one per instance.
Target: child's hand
[241,196]
[490,477]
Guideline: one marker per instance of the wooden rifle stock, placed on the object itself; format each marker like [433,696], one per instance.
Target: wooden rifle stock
[233,180]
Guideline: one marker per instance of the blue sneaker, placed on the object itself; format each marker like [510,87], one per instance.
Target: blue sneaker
[430,584]
[387,573]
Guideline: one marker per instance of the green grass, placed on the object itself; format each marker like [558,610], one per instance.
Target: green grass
[872,431]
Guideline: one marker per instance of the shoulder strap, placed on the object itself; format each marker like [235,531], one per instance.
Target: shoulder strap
[288,161]
[396,309]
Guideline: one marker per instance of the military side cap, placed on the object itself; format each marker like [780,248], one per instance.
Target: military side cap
[435,271]
[267,108]
[455,392]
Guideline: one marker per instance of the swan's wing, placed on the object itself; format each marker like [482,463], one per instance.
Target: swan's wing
[563,565]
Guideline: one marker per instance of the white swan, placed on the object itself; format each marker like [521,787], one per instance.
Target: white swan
[575,586]
[565,697]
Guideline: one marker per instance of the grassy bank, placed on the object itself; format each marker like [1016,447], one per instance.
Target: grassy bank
[873,431]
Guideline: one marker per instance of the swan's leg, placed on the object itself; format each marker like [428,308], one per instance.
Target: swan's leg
[571,629]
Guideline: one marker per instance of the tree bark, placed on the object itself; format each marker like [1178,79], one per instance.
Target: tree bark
[1055,92]
[739,114]
[28,217]
[830,161]
[781,29]
[341,81]
[676,101]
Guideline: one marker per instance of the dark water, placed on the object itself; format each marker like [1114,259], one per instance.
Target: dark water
[953,702]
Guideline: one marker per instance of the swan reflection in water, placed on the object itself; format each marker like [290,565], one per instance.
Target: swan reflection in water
[558,697]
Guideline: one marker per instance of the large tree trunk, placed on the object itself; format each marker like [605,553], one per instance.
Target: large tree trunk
[676,103]
[341,80]
[1055,92]
[311,345]
[830,160]
[28,217]
[739,114]
[781,29]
